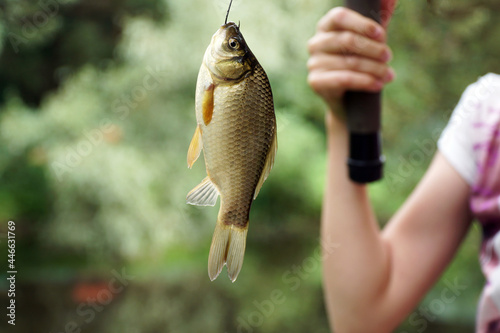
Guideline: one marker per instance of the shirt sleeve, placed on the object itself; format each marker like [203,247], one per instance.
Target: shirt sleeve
[456,141]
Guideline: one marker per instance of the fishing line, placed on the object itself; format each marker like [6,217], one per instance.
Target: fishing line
[227,14]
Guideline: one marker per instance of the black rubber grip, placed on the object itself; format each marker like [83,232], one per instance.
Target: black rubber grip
[365,162]
[363,117]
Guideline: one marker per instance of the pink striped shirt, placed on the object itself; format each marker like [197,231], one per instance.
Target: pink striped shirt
[471,143]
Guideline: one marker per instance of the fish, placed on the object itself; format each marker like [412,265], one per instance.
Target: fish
[236,129]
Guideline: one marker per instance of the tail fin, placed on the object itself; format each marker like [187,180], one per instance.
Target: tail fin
[228,247]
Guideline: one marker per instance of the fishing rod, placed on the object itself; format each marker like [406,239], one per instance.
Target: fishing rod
[362,108]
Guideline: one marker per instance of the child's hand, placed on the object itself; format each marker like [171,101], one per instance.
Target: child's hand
[348,52]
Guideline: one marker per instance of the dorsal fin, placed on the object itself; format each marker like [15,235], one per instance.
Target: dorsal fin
[268,165]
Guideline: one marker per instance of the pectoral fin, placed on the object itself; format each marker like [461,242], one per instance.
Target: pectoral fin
[268,165]
[194,147]
[207,104]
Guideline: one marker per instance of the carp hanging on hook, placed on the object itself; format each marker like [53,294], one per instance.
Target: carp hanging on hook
[236,129]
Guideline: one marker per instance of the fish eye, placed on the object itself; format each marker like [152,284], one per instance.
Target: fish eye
[233,43]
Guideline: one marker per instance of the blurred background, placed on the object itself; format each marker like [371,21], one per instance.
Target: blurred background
[96,115]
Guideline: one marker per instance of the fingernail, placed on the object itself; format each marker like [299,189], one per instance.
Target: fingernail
[378,85]
[377,32]
[387,55]
[390,75]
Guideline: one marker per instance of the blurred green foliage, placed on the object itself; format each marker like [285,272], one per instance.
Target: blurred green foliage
[97,110]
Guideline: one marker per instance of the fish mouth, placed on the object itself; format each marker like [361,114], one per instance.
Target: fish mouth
[226,64]
[229,30]
[225,33]
[231,24]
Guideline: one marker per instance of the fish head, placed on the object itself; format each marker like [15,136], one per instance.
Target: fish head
[228,57]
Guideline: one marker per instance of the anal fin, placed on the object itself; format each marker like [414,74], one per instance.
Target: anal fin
[205,194]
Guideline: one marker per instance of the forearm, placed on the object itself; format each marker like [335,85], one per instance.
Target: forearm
[372,279]
[356,273]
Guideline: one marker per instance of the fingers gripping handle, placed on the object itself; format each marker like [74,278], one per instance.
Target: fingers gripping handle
[363,117]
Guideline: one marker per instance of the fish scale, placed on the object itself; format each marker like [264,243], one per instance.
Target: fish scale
[237,133]
[244,153]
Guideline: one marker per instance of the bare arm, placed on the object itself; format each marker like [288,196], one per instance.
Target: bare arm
[374,278]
